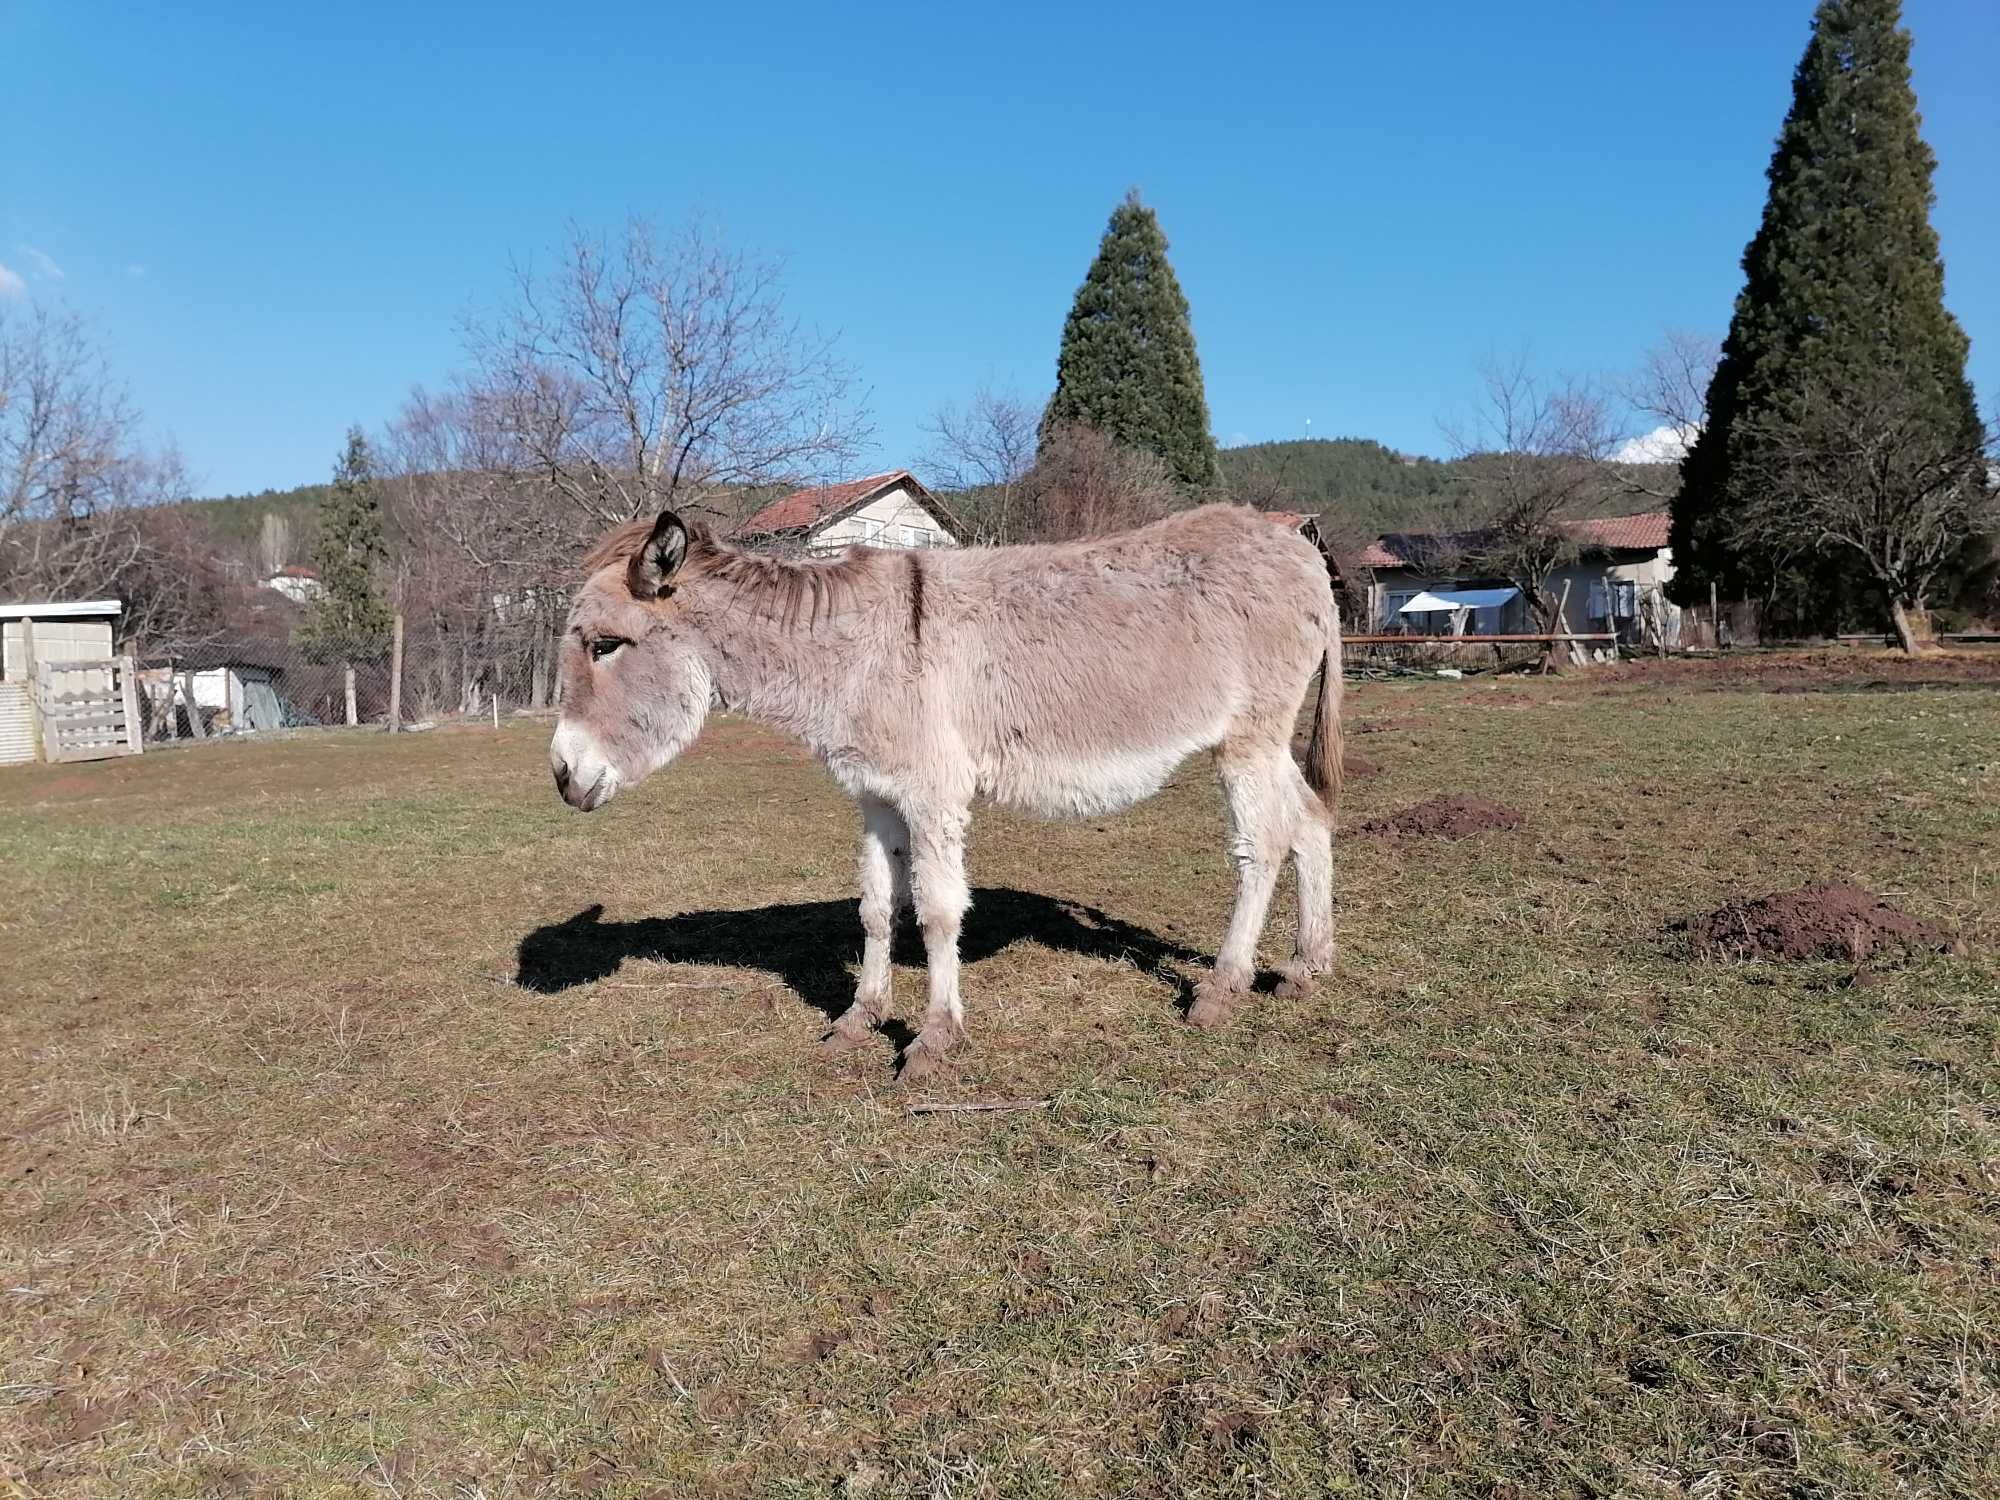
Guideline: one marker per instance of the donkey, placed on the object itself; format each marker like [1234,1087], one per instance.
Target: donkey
[1067,679]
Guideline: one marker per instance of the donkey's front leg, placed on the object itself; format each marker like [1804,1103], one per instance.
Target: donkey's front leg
[885,891]
[937,870]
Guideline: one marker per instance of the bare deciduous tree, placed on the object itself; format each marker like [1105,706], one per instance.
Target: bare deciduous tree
[488,546]
[1863,470]
[980,454]
[1535,457]
[1672,382]
[74,478]
[1085,484]
[647,372]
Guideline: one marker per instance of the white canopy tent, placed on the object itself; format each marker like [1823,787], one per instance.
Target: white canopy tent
[1458,603]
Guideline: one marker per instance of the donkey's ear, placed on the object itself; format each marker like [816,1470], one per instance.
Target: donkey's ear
[651,571]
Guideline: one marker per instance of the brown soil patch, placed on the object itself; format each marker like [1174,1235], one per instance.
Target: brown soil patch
[1354,765]
[1454,816]
[1816,921]
[1808,671]
[1393,724]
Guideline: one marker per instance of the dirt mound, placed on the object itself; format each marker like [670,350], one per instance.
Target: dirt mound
[1815,921]
[1451,817]
[1354,765]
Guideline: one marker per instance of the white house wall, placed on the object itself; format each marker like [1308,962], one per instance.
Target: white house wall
[895,518]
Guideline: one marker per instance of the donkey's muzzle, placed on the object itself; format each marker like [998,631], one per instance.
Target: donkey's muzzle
[584,778]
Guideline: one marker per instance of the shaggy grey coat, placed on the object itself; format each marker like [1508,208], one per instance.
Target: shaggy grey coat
[1069,680]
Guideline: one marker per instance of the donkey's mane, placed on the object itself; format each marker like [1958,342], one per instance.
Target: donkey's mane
[786,589]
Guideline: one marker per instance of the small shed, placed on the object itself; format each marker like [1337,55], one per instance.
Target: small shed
[236,685]
[63,695]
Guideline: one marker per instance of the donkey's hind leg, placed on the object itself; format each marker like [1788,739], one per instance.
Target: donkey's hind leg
[937,871]
[1262,813]
[1312,862]
[885,891]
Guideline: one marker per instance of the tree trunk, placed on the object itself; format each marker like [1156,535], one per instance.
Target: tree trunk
[195,726]
[1553,622]
[347,685]
[1899,611]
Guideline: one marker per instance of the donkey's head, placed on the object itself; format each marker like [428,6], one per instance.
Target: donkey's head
[635,681]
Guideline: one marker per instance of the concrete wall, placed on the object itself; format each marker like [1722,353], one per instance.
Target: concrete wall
[55,640]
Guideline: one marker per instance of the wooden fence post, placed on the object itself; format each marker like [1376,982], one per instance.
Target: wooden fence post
[347,685]
[128,684]
[396,675]
[195,726]
[30,676]
[1714,618]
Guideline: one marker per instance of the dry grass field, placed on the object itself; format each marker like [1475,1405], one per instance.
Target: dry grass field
[372,1125]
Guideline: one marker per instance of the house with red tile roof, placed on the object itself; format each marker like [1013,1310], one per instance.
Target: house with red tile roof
[883,510]
[1419,583]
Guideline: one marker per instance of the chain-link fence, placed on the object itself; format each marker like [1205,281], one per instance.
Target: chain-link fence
[252,685]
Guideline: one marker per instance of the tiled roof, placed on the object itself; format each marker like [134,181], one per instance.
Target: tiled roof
[1378,554]
[1292,518]
[803,509]
[1646,532]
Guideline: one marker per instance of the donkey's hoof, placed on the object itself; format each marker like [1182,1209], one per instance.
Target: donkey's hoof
[1297,980]
[924,1057]
[1214,1004]
[853,1028]
[839,1041]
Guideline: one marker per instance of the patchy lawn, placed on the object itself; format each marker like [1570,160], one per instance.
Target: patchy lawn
[373,1125]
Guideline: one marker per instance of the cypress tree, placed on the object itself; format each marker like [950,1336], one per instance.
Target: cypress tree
[349,617]
[1128,366]
[1842,284]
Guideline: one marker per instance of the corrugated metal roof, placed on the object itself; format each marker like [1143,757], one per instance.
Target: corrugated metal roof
[62,609]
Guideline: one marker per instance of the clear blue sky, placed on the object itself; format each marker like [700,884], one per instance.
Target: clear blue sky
[276,214]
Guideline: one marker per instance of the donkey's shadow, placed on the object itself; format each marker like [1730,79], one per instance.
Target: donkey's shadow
[807,944]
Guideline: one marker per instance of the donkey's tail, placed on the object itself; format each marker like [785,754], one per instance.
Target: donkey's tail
[1323,753]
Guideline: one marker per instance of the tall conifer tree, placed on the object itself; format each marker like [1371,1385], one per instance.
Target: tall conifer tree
[1843,283]
[1128,366]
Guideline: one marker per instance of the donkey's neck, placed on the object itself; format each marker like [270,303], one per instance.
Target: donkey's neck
[791,670]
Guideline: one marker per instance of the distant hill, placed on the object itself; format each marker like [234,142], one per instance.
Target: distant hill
[240,518]
[1368,488]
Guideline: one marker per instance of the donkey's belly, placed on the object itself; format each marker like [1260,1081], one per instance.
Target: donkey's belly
[1082,786]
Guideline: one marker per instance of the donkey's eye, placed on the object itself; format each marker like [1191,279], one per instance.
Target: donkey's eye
[604,645]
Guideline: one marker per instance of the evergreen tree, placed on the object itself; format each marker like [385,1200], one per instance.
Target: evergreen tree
[1128,366]
[349,617]
[1843,285]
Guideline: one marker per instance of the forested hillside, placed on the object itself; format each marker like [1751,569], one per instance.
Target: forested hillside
[1365,486]
[1368,488]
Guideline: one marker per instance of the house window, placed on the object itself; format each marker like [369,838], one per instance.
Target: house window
[909,536]
[1392,602]
[871,531]
[1625,599]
